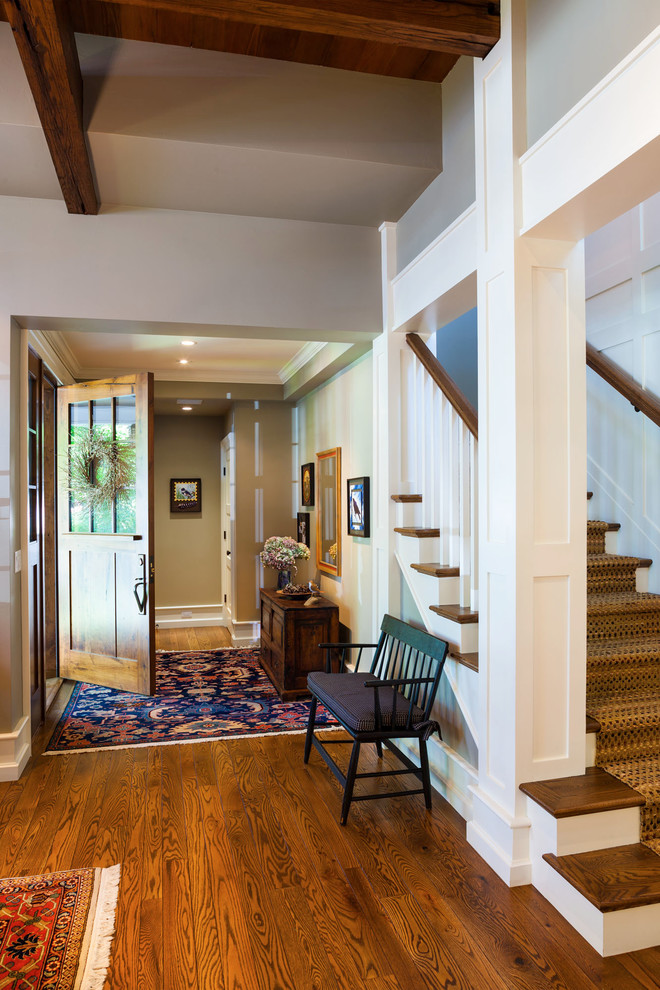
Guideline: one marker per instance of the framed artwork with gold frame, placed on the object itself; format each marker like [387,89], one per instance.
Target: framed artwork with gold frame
[328,511]
[307,484]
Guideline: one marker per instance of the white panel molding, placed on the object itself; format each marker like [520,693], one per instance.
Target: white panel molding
[609,493]
[15,749]
[440,283]
[611,138]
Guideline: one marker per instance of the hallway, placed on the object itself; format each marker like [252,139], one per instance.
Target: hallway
[236,873]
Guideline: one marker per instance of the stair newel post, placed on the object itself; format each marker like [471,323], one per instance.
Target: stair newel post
[532,470]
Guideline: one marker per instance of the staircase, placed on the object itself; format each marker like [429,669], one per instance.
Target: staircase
[588,858]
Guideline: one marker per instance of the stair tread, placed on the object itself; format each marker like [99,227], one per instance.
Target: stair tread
[406,498]
[611,602]
[602,526]
[593,725]
[631,647]
[419,531]
[457,613]
[615,560]
[437,570]
[470,660]
[583,794]
[640,710]
[612,879]
[641,773]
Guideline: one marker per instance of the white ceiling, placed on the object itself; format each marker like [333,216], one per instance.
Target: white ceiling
[185,129]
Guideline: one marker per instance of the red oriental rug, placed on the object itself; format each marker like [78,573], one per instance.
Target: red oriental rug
[200,696]
[56,930]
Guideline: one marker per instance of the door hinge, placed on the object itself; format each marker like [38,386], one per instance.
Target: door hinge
[224,471]
[224,534]
[225,599]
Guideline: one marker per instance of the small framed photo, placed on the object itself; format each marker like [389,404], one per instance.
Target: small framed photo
[358,506]
[303,528]
[307,484]
[185,494]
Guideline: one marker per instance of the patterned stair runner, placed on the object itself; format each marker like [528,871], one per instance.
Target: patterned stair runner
[623,675]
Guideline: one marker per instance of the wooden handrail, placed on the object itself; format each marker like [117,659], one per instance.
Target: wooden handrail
[639,397]
[458,400]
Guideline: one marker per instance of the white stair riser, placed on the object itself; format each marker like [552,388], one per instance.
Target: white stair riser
[580,833]
[463,637]
[435,590]
[408,514]
[609,933]
[418,550]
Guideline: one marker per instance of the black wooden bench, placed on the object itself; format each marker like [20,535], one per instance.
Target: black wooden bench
[391,699]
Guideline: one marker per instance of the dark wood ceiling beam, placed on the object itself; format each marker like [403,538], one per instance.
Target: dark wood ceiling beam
[47,48]
[463,27]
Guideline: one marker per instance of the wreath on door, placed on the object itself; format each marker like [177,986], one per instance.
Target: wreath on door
[100,469]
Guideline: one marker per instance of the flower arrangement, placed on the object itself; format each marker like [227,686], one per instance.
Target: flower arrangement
[281,552]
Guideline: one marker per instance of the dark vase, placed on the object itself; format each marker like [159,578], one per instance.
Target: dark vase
[283,578]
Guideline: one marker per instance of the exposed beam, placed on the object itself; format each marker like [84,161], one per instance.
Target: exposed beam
[464,27]
[47,48]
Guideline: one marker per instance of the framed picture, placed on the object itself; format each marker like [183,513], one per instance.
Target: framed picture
[303,528]
[358,506]
[185,494]
[307,485]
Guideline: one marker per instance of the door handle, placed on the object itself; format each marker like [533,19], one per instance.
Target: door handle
[141,581]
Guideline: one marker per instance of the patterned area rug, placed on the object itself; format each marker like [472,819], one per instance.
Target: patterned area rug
[199,696]
[56,930]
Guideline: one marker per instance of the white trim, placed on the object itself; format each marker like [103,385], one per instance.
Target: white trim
[451,775]
[440,283]
[300,359]
[15,750]
[611,127]
[181,616]
[245,633]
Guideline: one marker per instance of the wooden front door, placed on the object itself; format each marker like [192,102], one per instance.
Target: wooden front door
[105,536]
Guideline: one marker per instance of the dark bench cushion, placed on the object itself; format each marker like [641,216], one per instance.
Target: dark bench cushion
[347,697]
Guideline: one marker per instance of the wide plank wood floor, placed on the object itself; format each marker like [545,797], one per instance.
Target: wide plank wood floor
[236,874]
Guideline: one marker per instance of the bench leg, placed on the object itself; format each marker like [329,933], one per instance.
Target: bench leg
[310,729]
[426,777]
[350,781]
[379,749]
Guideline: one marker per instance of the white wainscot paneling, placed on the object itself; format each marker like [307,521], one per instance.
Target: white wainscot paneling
[551,405]
[500,664]
[612,244]
[650,221]
[651,289]
[551,669]
[610,307]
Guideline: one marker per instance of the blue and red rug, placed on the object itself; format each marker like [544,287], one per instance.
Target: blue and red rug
[213,694]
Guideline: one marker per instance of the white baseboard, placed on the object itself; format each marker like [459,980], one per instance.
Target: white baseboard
[500,839]
[180,616]
[451,775]
[15,750]
[244,634]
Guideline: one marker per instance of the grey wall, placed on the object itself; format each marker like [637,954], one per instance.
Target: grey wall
[454,190]
[571,45]
[456,350]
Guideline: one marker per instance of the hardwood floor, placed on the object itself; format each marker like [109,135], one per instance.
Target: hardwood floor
[199,638]
[236,874]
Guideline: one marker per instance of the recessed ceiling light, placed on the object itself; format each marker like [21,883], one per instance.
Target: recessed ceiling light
[186,408]
[183,361]
[188,343]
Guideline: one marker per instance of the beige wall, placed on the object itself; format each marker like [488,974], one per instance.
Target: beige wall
[264,473]
[187,546]
[340,414]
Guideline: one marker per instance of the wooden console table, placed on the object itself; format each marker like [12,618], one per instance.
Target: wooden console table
[290,635]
